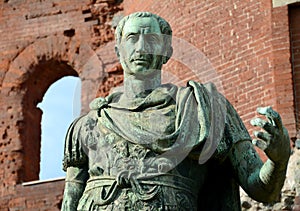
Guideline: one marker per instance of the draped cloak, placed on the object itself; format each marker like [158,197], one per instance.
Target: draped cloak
[175,123]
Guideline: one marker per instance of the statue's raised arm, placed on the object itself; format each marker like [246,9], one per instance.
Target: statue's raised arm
[263,181]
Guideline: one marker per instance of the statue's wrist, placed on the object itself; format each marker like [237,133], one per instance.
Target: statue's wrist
[273,170]
[281,163]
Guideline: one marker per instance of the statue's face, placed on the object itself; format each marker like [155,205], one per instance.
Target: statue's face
[140,49]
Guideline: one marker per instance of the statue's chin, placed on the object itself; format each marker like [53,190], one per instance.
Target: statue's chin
[140,70]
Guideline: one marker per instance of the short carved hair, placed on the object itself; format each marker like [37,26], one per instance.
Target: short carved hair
[164,26]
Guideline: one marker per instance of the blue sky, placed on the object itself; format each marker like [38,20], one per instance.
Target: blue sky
[60,105]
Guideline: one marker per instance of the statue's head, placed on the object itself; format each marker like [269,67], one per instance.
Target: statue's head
[144,43]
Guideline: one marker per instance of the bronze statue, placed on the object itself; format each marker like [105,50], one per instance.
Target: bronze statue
[163,147]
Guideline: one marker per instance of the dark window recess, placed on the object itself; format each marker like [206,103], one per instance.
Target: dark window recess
[69,32]
[86,11]
[88,19]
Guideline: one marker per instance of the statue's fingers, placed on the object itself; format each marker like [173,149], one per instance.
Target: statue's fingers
[263,110]
[259,143]
[263,124]
[267,137]
[272,115]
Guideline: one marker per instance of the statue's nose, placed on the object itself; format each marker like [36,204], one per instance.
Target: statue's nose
[141,44]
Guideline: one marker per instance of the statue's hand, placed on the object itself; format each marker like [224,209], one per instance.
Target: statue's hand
[274,141]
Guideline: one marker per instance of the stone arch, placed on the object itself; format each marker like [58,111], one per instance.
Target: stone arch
[29,76]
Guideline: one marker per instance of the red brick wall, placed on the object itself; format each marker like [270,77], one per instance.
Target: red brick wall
[35,196]
[295,49]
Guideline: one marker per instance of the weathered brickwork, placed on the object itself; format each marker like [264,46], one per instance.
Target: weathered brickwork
[113,79]
[242,46]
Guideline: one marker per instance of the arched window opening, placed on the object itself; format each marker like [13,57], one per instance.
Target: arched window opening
[32,90]
[60,106]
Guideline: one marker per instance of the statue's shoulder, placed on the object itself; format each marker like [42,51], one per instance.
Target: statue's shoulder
[81,126]
[209,87]
[74,154]
[223,114]
[85,120]
[80,132]
[98,103]
[102,102]
[88,121]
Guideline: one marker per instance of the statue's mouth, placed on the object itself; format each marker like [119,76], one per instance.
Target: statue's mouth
[140,60]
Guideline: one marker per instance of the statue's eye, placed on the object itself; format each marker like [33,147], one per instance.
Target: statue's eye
[132,37]
[152,38]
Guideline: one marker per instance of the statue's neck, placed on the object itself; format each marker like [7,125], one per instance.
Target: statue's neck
[136,87]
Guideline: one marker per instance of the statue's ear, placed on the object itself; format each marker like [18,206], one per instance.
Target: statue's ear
[168,54]
[117,51]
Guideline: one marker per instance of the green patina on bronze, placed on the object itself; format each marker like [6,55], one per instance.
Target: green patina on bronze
[164,147]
